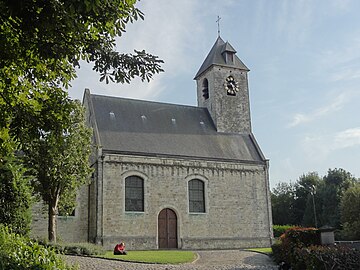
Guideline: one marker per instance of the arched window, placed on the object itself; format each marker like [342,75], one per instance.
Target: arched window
[196,196]
[134,194]
[205,88]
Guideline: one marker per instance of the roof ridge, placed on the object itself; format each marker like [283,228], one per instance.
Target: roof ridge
[147,101]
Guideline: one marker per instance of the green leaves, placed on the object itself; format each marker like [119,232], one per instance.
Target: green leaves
[15,195]
[41,44]
[123,68]
[350,212]
[18,252]
[60,154]
[298,203]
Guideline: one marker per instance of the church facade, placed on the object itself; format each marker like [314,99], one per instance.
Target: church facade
[174,176]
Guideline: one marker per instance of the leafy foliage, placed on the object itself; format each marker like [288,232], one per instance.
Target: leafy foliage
[328,257]
[15,195]
[350,212]
[281,229]
[312,198]
[42,42]
[20,253]
[283,203]
[292,239]
[55,35]
[75,248]
[60,159]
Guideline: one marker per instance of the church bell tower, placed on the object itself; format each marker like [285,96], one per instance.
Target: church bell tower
[222,87]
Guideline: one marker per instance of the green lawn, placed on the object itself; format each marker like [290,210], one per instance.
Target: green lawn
[154,256]
[261,250]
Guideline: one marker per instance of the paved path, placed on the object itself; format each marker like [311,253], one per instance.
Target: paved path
[207,260]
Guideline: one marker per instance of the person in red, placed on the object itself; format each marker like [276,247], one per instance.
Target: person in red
[120,249]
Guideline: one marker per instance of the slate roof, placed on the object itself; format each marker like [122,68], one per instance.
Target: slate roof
[215,57]
[159,129]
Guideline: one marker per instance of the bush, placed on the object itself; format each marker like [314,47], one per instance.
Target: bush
[19,252]
[76,248]
[280,229]
[328,257]
[82,249]
[293,239]
[299,249]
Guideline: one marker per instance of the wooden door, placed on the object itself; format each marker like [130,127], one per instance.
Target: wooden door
[167,229]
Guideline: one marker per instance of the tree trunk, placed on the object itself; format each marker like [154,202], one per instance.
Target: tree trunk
[52,221]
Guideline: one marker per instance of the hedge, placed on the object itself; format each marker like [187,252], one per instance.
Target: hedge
[329,257]
[299,249]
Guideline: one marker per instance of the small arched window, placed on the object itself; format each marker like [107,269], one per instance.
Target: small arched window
[196,196]
[205,88]
[134,194]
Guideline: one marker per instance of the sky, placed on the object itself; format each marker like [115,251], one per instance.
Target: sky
[304,79]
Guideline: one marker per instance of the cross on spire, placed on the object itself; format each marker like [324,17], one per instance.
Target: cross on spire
[218,23]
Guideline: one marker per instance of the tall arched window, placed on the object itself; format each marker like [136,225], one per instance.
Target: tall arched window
[205,88]
[196,196]
[134,194]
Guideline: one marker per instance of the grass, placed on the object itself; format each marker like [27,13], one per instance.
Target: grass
[154,256]
[261,250]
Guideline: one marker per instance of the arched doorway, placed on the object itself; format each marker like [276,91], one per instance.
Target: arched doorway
[167,229]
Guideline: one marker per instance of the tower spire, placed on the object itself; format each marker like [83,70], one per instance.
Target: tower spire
[218,23]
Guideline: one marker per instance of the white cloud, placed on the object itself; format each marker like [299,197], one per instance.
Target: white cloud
[336,105]
[347,138]
[299,118]
[319,147]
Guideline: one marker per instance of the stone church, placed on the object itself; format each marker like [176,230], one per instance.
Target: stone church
[174,176]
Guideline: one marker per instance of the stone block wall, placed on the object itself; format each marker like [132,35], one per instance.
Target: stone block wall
[69,228]
[229,113]
[236,196]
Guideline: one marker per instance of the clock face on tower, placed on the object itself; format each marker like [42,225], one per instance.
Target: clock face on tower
[231,86]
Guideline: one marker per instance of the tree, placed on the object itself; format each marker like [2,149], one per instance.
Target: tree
[41,44]
[15,196]
[60,160]
[43,41]
[336,182]
[350,212]
[15,191]
[305,188]
[282,202]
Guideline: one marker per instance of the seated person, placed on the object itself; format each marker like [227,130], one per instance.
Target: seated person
[120,249]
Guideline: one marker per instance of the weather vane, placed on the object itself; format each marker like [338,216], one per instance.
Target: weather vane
[218,23]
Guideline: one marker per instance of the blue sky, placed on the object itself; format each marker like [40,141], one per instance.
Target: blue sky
[304,82]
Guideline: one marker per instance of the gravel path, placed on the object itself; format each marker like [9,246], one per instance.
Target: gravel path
[207,260]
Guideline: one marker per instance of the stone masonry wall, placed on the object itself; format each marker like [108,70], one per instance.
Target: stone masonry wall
[236,215]
[69,229]
[230,113]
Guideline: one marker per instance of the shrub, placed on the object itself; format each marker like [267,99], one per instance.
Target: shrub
[299,249]
[328,257]
[76,248]
[82,249]
[19,252]
[292,239]
[280,229]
